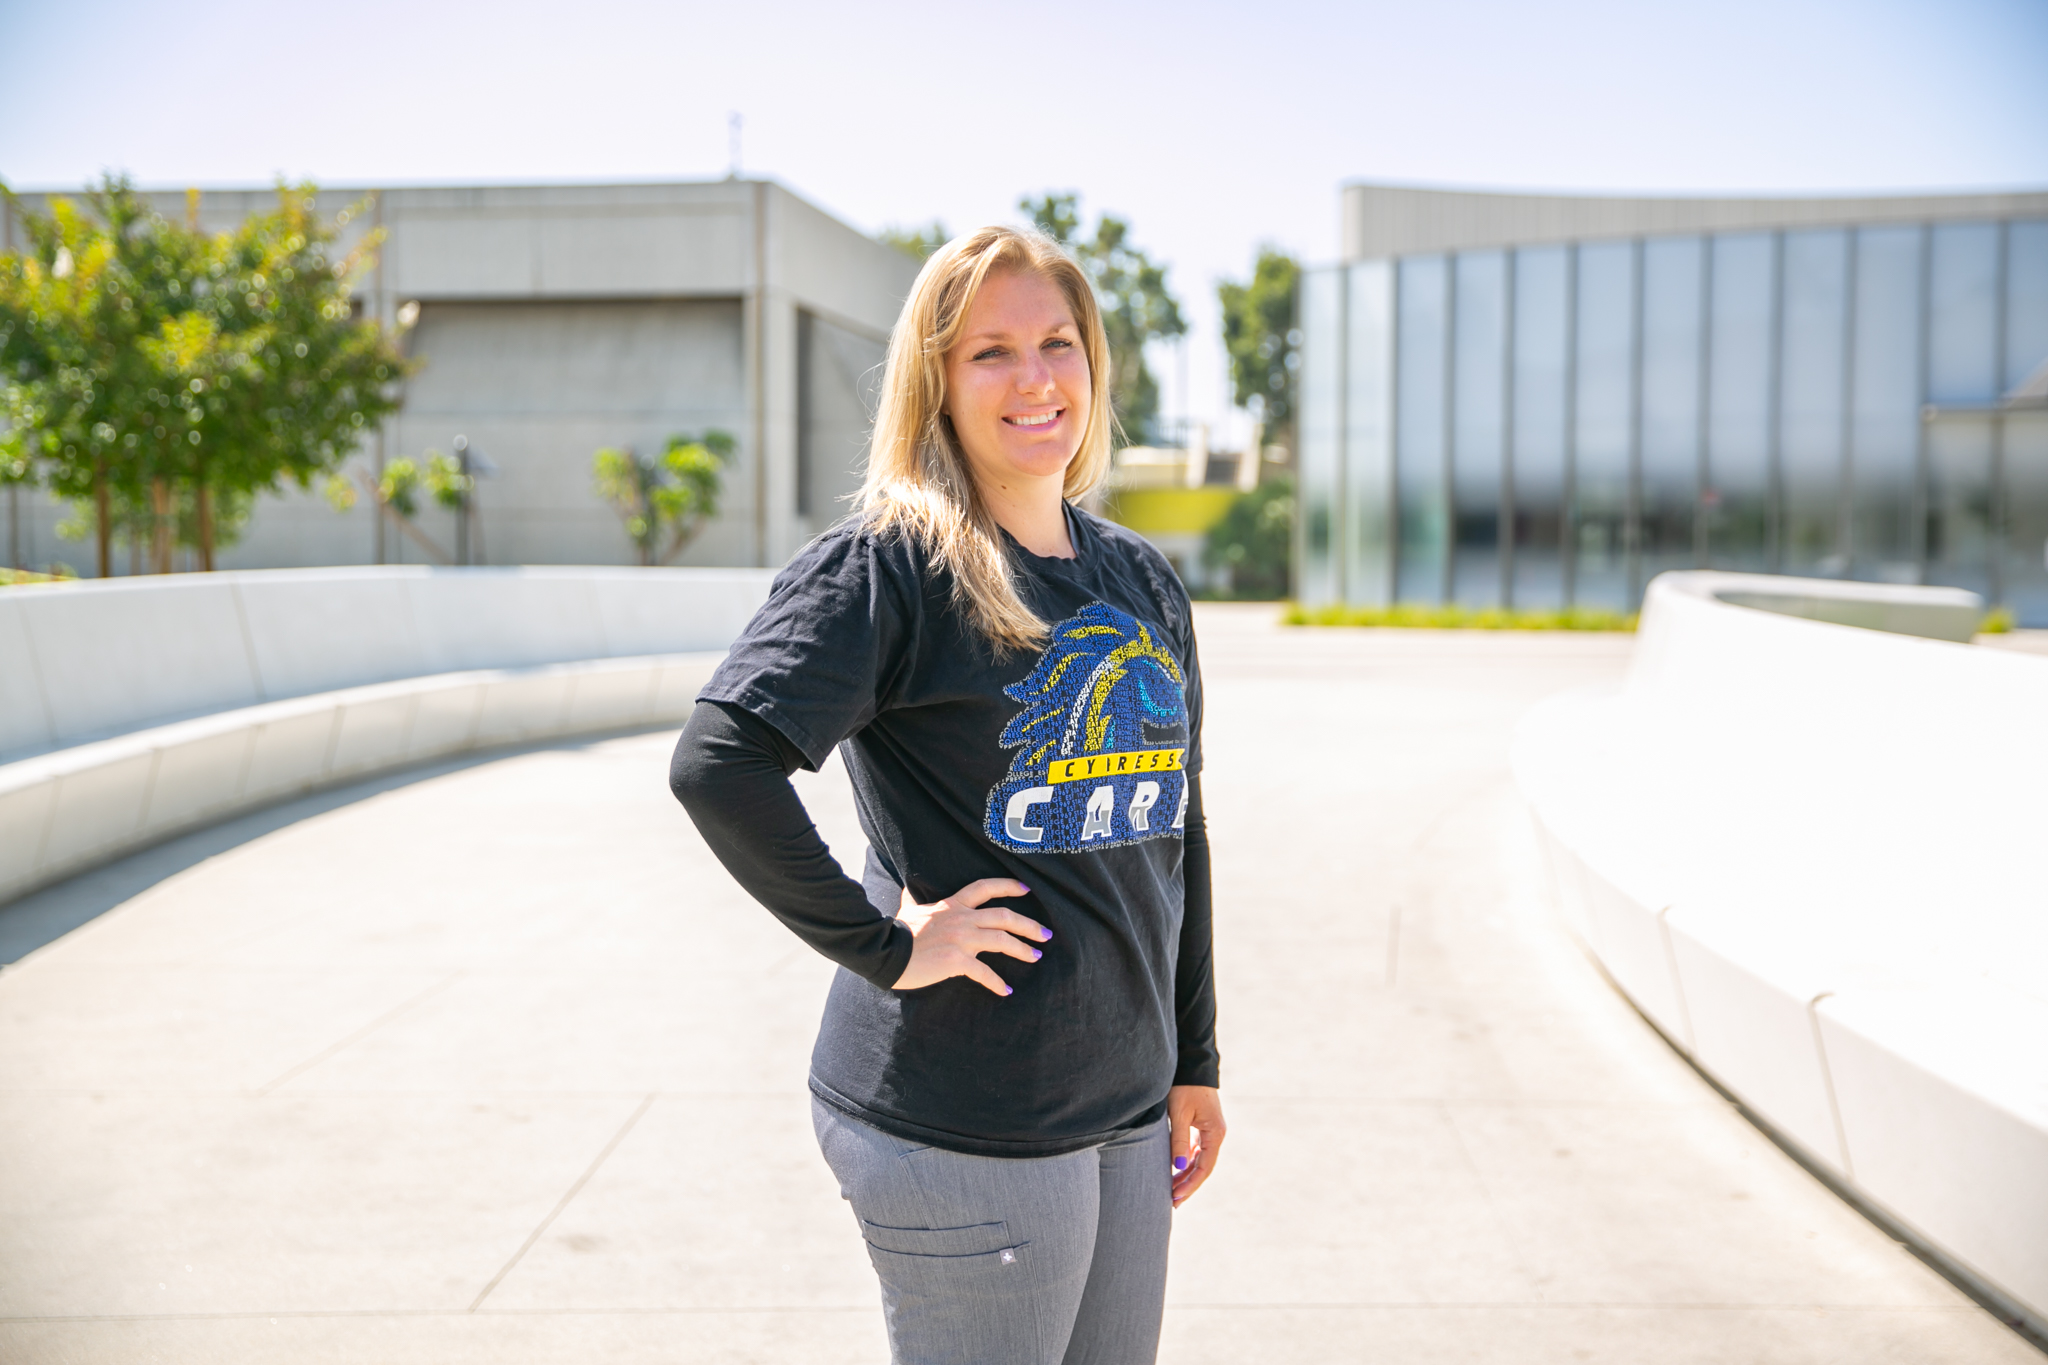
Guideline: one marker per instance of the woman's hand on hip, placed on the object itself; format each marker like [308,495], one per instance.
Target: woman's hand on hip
[949,936]
[1195,1114]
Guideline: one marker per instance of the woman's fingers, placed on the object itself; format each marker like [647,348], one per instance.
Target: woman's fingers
[988,888]
[995,917]
[996,941]
[980,971]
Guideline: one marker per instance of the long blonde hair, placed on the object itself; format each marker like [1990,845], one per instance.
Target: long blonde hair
[918,479]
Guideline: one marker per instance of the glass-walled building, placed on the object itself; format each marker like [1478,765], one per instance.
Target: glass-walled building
[1538,401]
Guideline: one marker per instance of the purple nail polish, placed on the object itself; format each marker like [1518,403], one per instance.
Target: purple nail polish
[1035,955]
[1009,990]
[1044,934]
[1027,890]
[1180,1163]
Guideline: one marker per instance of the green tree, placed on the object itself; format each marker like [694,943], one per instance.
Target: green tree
[1255,541]
[918,243]
[1262,340]
[665,501]
[1137,306]
[75,307]
[148,363]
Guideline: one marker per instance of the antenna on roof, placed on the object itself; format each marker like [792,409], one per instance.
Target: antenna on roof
[733,121]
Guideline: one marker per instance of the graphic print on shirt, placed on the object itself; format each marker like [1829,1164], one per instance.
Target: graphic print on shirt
[1101,742]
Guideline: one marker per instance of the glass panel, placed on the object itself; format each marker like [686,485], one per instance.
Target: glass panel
[1541,296]
[1962,316]
[2026,302]
[1815,288]
[1315,581]
[1602,412]
[1737,500]
[1671,402]
[1369,437]
[1886,418]
[2026,539]
[1959,546]
[1419,455]
[1476,424]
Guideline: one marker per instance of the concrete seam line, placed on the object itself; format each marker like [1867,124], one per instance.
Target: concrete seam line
[365,1031]
[156,761]
[556,1212]
[1677,980]
[1827,1081]
[248,639]
[35,671]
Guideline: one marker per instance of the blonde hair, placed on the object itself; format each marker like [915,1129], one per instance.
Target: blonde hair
[918,480]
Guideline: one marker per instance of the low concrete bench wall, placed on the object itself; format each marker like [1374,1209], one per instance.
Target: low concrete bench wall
[135,710]
[1809,853]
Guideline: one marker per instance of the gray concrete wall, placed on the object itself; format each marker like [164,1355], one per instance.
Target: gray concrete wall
[1396,220]
[556,319]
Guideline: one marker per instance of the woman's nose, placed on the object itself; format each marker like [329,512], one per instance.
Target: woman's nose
[1034,375]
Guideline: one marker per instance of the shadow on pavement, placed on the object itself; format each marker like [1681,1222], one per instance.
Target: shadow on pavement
[42,917]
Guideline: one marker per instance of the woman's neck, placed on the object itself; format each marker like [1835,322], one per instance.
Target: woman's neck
[1034,515]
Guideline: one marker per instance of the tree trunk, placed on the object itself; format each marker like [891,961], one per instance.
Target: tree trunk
[205,527]
[104,514]
[160,530]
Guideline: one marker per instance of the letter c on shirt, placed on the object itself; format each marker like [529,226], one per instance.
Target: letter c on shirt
[1020,806]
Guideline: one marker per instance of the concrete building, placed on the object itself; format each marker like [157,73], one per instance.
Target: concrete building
[557,319]
[1541,400]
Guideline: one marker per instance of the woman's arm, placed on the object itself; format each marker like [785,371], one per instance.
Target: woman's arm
[1193,1107]
[731,772]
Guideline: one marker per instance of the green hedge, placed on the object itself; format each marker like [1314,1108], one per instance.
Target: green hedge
[1410,616]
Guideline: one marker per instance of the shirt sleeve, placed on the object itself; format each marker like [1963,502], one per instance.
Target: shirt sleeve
[821,658]
[1194,977]
[731,773]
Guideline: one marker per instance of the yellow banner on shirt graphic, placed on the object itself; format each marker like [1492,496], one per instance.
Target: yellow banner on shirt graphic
[1114,765]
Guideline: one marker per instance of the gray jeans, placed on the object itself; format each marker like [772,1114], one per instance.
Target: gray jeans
[1057,1260]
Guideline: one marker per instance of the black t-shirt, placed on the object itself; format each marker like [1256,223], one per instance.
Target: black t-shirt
[1066,768]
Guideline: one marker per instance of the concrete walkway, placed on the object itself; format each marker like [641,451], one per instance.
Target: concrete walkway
[493,1064]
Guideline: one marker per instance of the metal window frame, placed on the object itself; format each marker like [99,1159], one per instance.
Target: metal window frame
[1845,478]
[1703,391]
[1504,525]
[1632,508]
[1568,511]
[1923,472]
[1774,450]
[1447,575]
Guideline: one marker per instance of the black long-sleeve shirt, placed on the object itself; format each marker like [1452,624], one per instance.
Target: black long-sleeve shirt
[1072,771]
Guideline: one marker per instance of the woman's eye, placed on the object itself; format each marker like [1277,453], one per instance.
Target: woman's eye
[990,354]
[1061,342]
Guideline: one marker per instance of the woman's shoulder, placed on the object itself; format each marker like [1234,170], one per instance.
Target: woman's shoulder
[855,546]
[1157,571]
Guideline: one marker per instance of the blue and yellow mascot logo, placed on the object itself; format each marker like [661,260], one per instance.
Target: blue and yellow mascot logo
[1100,742]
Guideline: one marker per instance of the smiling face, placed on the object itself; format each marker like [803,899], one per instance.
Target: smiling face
[1017,383]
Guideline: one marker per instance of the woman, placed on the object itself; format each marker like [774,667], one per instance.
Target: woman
[1015,1079]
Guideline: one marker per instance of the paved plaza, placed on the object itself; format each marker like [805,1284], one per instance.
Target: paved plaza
[492,1063]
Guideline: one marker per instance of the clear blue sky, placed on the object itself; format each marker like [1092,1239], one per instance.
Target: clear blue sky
[1211,126]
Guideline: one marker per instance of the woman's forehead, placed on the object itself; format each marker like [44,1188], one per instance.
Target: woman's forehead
[1018,300]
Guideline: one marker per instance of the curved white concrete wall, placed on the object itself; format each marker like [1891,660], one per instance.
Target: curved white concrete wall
[1810,853]
[135,709]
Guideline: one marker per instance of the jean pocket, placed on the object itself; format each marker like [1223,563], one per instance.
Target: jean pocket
[981,1239]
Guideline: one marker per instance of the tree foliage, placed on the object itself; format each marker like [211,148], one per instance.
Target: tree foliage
[1137,306]
[145,364]
[664,502]
[1255,541]
[1262,338]
[917,243]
